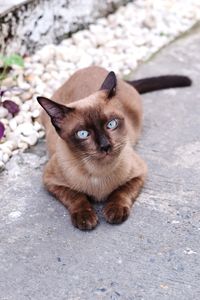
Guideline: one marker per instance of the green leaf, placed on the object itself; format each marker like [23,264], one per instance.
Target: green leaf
[11,60]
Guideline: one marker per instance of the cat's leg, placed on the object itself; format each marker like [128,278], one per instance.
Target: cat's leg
[82,213]
[121,200]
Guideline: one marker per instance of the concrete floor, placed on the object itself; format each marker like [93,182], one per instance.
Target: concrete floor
[155,254]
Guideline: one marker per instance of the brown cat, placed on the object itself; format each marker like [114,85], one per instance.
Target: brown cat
[91,127]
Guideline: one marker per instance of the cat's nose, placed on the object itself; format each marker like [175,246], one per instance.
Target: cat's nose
[105,148]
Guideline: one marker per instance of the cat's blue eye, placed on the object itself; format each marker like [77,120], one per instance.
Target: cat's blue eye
[82,134]
[112,124]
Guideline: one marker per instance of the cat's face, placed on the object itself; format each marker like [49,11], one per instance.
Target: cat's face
[95,133]
[93,128]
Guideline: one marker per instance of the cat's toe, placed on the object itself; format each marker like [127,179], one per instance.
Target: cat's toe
[85,219]
[116,213]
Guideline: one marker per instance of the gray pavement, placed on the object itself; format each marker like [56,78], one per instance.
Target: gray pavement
[155,254]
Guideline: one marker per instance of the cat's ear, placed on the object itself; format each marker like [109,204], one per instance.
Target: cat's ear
[110,84]
[56,111]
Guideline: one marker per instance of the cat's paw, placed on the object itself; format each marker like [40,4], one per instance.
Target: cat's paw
[85,219]
[115,213]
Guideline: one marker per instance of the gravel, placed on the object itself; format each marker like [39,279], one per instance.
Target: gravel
[119,42]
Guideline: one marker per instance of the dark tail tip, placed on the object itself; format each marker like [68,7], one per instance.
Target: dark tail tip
[186,81]
[160,82]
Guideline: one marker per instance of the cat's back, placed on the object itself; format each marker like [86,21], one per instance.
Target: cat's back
[81,84]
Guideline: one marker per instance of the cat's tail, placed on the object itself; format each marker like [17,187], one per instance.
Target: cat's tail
[160,82]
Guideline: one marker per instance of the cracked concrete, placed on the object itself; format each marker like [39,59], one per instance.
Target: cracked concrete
[155,254]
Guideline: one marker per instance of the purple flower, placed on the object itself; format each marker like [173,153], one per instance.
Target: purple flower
[2,129]
[11,106]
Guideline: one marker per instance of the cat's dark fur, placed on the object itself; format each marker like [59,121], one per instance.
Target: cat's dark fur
[91,126]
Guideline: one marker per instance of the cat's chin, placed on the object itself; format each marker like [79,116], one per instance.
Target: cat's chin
[106,157]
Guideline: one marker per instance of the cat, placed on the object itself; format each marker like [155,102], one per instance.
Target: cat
[92,124]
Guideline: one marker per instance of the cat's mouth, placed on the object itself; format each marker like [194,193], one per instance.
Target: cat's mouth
[109,155]
[105,155]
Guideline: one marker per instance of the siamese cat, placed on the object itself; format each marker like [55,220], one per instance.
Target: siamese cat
[92,123]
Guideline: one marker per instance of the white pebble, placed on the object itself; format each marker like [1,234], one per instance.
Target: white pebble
[85,61]
[5,157]
[5,121]
[46,76]
[7,151]
[15,151]
[37,126]
[46,54]
[13,124]
[7,147]
[2,165]
[40,88]
[35,113]
[31,139]
[8,82]
[1,155]
[22,145]
[26,96]
[26,106]
[3,112]
[25,129]
[19,119]
[24,85]
[41,134]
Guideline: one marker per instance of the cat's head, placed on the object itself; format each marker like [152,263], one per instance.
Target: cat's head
[93,127]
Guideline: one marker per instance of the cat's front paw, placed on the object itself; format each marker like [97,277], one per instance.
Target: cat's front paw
[85,219]
[116,213]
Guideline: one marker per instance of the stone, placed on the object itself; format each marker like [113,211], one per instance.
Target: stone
[1,155]
[5,121]
[47,54]
[35,113]
[5,157]
[3,112]
[31,139]
[26,96]
[7,151]
[46,76]
[13,124]
[2,166]
[8,82]
[37,126]
[41,134]
[14,137]
[85,61]
[26,106]
[25,86]
[149,22]
[7,147]
[19,118]
[38,69]
[22,145]
[26,129]
[40,89]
